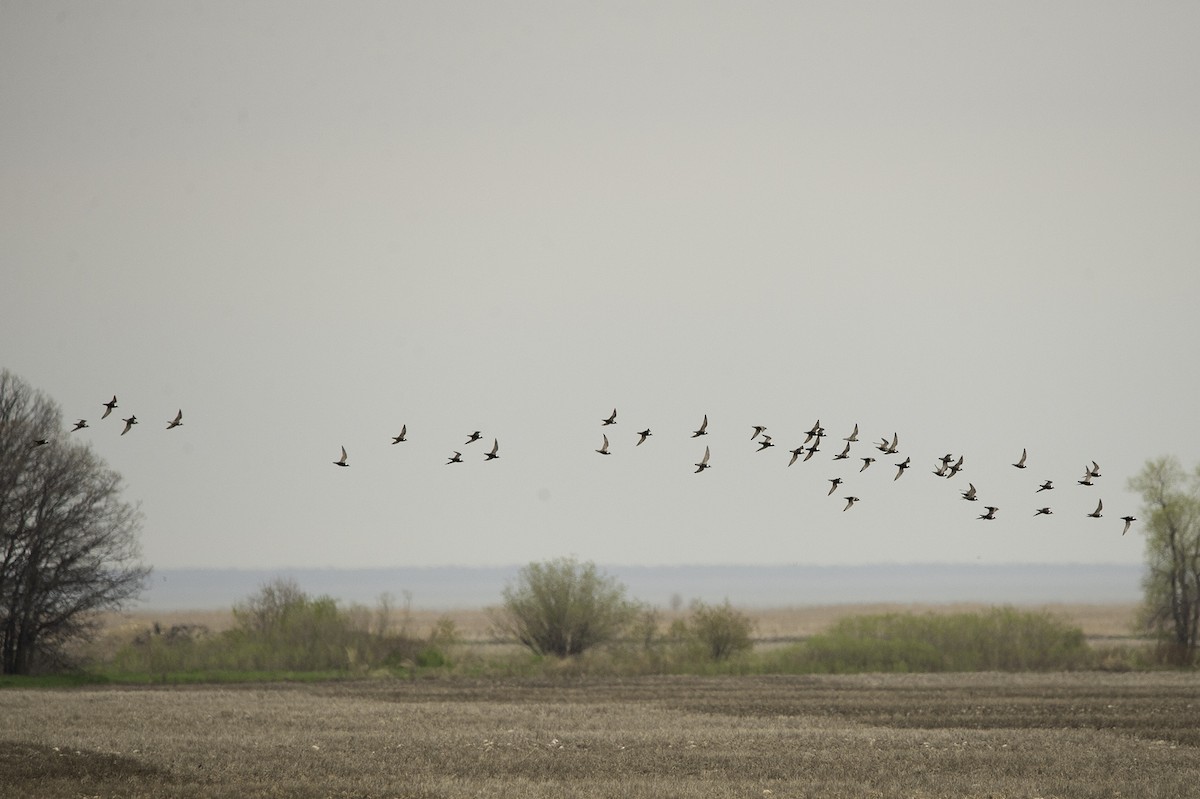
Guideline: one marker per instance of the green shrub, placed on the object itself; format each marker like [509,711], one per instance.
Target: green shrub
[1000,639]
[283,629]
[563,608]
[719,631]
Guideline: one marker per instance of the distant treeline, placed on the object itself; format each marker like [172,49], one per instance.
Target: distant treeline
[448,587]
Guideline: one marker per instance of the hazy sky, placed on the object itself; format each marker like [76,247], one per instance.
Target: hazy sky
[974,224]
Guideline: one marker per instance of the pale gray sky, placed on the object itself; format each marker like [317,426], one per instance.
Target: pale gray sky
[306,224]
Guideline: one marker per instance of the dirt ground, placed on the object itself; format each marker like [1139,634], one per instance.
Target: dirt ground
[973,735]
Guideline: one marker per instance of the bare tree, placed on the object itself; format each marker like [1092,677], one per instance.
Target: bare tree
[1171,522]
[68,543]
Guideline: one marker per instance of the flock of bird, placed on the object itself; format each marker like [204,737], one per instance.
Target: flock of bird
[491,455]
[109,407]
[947,466]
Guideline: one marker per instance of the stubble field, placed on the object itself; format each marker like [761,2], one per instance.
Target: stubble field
[960,735]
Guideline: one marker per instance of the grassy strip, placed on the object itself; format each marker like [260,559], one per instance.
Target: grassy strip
[995,639]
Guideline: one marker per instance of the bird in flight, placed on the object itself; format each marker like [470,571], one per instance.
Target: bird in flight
[991,512]
[1021,463]
[853,436]
[907,462]
[1128,521]
[1087,479]
[642,436]
[835,482]
[866,462]
[41,442]
[796,454]
[703,464]
[176,422]
[849,503]
[845,453]
[401,437]
[940,471]
[816,431]
[1046,486]
[813,450]
[1043,512]
[956,467]
[455,458]
[130,422]
[108,406]
[758,430]
[766,442]
[604,447]
[969,494]
[703,431]
[342,460]
[1096,513]
[612,419]
[1094,471]
[495,453]
[473,437]
[82,423]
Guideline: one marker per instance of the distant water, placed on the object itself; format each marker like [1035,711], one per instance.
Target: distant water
[447,587]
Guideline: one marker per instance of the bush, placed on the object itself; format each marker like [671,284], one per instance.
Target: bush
[719,630]
[283,629]
[1000,639]
[563,608]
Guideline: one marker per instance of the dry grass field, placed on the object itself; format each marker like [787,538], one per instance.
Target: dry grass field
[961,735]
